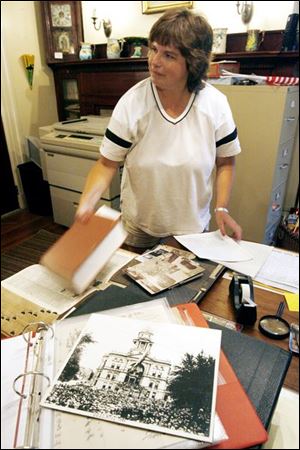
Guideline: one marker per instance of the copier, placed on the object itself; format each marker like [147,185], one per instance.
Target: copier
[70,149]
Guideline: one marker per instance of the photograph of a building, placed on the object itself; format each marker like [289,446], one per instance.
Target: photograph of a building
[137,369]
[157,376]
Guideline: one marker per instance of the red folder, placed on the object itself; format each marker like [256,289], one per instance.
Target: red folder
[239,418]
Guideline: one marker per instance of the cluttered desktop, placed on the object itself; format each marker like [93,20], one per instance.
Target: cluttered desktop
[115,360]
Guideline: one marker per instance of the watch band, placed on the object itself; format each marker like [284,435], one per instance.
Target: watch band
[222,209]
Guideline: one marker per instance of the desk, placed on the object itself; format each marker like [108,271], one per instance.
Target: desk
[218,302]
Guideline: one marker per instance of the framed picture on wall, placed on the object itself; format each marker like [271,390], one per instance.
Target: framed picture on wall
[157,7]
[62,22]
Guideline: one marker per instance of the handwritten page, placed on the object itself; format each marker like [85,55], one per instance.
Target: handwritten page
[281,270]
[39,285]
[34,294]
[214,246]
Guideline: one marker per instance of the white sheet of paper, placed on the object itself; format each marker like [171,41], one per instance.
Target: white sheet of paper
[214,246]
[260,253]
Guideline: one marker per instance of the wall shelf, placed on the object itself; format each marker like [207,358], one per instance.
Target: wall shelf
[101,81]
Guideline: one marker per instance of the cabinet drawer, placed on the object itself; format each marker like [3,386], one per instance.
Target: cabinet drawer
[273,221]
[292,104]
[283,163]
[290,117]
[270,234]
[67,171]
[277,197]
[70,172]
[65,203]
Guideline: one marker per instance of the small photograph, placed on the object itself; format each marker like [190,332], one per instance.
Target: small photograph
[163,268]
[156,376]
[163,250]
[63,42]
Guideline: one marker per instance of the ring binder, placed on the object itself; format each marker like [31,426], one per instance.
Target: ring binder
[44,326]
[32,372]
[35,340]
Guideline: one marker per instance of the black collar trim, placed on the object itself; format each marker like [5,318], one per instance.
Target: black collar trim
[161,112]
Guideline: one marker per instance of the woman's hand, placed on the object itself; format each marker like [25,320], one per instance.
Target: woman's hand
[98,180]
[84,211]
[224,220]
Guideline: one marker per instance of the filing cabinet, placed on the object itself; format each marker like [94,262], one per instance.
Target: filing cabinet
[67,176]
[266,119]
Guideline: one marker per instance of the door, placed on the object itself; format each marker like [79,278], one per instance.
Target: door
[8,188]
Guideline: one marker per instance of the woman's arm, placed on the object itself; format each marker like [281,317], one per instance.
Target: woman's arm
[98,180]
[225,169]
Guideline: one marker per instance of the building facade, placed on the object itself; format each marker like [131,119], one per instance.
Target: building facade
[136,372]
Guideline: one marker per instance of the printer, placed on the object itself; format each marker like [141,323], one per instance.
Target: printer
[70,150]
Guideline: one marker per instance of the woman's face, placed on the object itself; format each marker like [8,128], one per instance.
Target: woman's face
[167,67]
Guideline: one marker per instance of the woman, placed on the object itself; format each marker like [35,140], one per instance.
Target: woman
[170,131]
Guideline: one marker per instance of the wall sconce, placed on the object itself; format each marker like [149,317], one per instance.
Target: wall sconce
[94,19]
[245,11]
[106,24]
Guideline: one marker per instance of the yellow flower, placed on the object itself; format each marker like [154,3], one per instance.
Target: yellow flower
[28,61]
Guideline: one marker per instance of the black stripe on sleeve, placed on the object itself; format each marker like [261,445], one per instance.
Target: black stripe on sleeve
[231,137]
[116,139]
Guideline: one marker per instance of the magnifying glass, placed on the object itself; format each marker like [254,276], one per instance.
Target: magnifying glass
[274,326]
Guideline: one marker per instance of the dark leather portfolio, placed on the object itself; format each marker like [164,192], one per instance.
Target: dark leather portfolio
[260,367]
[115,297]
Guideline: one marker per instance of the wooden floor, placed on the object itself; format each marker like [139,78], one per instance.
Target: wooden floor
[21,224]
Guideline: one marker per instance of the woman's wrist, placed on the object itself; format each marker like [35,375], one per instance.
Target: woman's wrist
[221,209]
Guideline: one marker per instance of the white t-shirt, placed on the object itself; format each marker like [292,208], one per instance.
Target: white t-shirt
[167,178]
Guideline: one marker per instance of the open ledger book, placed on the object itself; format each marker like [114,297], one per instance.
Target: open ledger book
[37,294]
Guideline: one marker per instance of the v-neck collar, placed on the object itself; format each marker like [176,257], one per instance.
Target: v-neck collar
[165,115]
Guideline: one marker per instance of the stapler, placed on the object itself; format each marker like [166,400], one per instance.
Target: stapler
[242,295]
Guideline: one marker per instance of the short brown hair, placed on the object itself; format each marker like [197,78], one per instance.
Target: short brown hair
[192,35]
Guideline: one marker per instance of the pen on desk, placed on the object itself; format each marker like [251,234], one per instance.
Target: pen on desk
[197,295]
[74,120]
[280,309]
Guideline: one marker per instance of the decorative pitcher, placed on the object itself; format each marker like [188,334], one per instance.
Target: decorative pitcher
[114,48]
[85,51]
[254,39]
[219,40]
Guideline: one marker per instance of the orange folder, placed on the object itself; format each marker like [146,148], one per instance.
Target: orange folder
[240,420]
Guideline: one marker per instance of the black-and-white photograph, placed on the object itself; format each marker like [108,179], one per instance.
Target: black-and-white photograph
[160,377]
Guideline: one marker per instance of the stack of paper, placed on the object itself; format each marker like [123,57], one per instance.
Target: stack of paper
[281,270]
